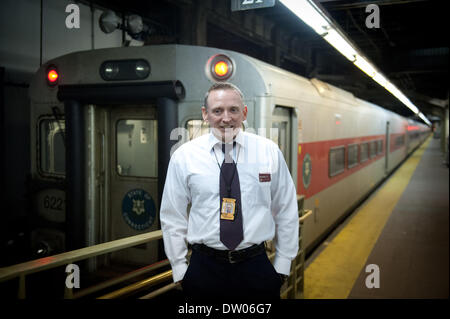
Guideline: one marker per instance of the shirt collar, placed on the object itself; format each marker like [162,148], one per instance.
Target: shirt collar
[213,140]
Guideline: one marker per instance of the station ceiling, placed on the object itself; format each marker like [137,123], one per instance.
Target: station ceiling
[410,47]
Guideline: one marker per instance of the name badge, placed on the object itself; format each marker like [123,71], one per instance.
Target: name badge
[264,177]
[228,208]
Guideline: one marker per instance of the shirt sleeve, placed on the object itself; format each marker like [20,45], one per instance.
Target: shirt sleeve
[285,212]
[173,216]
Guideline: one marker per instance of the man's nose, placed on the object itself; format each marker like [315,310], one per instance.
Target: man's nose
[226,116]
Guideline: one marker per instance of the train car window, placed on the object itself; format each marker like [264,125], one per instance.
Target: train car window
[380,146]
[337,160]
[373,149]
[137,148]
[364,156]
[352,155]
[399,140]
[52,152]
[196,128]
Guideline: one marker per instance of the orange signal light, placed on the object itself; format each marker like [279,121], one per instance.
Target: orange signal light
[52,76]
[221,68]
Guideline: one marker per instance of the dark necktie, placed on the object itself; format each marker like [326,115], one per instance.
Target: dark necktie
[231,231]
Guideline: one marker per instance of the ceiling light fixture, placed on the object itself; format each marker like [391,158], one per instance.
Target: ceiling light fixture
[314,17]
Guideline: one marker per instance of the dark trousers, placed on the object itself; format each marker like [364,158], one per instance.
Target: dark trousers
[210,279]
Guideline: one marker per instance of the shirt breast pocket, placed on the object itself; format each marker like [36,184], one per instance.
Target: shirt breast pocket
[263,196]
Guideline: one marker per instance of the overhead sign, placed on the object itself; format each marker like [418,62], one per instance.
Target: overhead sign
[239,5]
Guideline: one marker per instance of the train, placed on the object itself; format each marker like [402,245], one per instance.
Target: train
[104,123]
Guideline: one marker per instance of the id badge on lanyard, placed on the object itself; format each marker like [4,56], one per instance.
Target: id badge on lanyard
[228,208]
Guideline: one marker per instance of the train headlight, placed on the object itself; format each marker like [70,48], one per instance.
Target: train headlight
[220,67]
[110,70]
[52,75]
[142,69]
[122,70]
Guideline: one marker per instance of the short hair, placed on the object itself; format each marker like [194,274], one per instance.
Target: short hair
[222,86]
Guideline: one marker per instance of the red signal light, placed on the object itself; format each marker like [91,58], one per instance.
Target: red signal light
[52,76]
[221,68]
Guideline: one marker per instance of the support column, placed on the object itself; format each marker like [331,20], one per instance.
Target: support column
[75,161]
[200,31]
[444,131]
[167,121]
[276,50]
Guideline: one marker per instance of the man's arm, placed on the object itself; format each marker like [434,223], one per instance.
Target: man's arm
[285,211]
[173,216]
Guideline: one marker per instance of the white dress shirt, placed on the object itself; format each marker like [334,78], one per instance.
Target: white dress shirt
[269,208]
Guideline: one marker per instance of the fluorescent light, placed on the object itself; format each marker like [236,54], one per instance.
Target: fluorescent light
[340,44]
[393,89]
[408,103]
[399,95]
[423,117]
[309,14]
[380,79]
[365,66]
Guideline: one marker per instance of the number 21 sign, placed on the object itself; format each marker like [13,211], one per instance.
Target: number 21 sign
[238,5]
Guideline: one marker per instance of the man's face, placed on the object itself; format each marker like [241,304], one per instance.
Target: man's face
[225,113]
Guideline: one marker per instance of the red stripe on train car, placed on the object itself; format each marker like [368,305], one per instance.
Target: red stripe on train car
[319,161]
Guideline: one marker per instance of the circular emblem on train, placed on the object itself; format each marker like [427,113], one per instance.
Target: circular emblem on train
[306,170]
[138,209]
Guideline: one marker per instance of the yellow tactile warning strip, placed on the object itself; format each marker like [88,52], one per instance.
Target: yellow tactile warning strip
[332,274]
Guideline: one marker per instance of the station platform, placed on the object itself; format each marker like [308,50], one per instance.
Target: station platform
[396,244]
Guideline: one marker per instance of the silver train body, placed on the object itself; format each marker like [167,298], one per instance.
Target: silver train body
[103,132]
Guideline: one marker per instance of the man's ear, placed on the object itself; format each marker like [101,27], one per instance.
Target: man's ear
[204,114]
[245,112]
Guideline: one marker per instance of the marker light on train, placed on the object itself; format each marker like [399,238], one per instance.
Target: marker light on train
[220,67]
[52,76]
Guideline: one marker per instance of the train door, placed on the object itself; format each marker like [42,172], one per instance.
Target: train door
[134,179]
[281,132]
[387,148]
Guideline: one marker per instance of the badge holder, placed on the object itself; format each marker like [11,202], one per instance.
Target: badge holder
[228,208]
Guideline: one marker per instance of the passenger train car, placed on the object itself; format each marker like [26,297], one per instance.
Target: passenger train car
[105,122]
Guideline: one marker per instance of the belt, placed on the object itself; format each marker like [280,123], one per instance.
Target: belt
[231,256]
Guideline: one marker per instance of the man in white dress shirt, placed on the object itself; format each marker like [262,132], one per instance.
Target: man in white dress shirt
[241,195]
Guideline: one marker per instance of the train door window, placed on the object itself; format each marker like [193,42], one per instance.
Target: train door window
[352,155]
[52,151]
[373,149]
[196,128]
[279,136]
[280,132]
[379,147]
[337,160]
[137,148]
[364,156]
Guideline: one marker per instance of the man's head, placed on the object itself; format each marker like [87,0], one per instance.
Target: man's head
[224,110]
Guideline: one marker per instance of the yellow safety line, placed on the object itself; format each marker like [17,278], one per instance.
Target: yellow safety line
[332,274]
